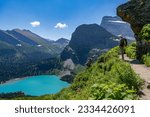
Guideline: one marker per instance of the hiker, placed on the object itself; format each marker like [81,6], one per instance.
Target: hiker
[122,45]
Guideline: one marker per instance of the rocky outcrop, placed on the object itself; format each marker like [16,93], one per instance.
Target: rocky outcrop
[66,73]
[86,38]
[116,26]
[137,13]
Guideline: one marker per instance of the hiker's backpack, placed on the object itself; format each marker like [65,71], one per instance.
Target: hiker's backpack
[123,42]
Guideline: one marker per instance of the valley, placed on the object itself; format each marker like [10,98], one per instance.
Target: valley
[89,62]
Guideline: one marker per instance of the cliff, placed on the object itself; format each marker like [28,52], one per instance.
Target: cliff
[84,39]
[137,13]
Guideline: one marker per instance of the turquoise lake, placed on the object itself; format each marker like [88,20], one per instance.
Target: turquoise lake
[35,85]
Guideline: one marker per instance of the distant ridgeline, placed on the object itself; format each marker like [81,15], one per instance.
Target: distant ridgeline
[23,53]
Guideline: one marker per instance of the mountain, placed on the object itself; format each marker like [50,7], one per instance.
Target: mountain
[62,41]
[28,44]
[21,50]
[86,38]
[6,37]
[116,26]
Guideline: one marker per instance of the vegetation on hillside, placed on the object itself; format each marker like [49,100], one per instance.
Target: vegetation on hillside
[146,59]
[108,78]
[14,68]
[145,36]
[131,53]
[145,33]
[131,50]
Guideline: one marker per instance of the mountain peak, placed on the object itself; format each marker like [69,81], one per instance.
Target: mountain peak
[16,29]
[85,38]
[116,26]
[111,18]
[62,40]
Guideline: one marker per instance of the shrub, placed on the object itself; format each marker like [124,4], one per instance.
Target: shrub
[146,60]
[145,33]
[111,91]
[123,74]
[131,50]
[108,65]
[114,52]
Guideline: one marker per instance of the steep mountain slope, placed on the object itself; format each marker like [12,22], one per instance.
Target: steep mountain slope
[19,36]
[116,26]
[27,40]
[6,37]
[20,50]
[86,38]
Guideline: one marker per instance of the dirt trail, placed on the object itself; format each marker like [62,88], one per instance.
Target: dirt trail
[144,73]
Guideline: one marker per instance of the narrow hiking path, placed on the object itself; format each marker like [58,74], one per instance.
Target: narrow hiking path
[144,73]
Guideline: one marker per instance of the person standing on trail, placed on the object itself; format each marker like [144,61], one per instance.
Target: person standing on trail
[122,45]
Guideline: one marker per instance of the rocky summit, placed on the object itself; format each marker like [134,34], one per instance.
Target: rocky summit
[116,26]
[86,38]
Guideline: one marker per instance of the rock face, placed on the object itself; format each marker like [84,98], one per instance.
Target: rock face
[116,26]
[86,38]
[136,12]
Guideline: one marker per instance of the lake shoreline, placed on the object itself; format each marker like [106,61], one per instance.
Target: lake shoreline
[34,85]
[15,79]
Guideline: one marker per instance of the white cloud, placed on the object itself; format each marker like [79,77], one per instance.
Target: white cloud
[61,25]
[35,24]
[122,22]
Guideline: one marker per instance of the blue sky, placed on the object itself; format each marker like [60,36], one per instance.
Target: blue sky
[54,19]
